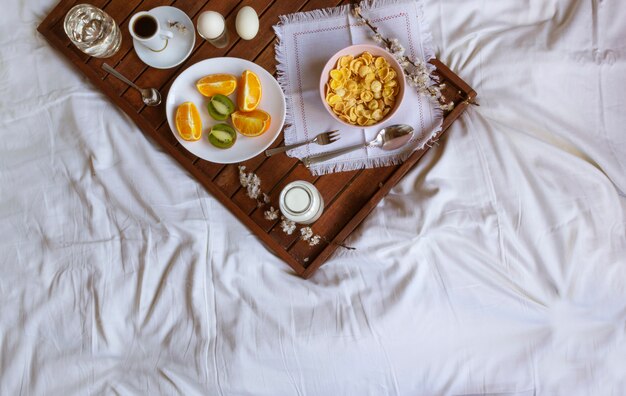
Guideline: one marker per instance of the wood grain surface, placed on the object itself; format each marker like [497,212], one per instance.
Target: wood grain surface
[349,196]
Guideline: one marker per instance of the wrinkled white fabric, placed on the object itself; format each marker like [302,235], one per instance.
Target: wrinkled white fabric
[497,266]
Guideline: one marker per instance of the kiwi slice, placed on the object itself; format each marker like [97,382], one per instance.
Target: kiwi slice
[222,136]
[220,107]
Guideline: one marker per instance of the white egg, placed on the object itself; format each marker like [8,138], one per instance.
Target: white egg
[247,23]
[210,24]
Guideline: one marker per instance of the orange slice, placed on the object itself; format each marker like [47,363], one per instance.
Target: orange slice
[188,122]
[252,123]
[213,84]
[249,95]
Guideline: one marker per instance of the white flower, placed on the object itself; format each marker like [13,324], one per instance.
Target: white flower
[306,233]
[287,226]
[448,107]
[378,38]
[315,239]
[251,182]
[178,26]
[397,49]
[242,176]
[418,62]
[271,214]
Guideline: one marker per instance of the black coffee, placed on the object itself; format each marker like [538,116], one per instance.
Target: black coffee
[145,26]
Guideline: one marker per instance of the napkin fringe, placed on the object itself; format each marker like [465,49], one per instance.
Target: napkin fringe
[281,56]
[348,166]
[308,16]
[281,72]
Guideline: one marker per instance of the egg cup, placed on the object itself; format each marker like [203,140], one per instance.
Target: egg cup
[211,20]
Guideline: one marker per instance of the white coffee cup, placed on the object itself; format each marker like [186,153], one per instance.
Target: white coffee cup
[145,28]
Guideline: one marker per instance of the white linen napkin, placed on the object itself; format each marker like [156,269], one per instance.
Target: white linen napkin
[305,43]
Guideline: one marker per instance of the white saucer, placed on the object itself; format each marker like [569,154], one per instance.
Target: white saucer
[178,48]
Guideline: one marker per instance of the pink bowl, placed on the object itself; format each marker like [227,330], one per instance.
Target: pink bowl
[355,50]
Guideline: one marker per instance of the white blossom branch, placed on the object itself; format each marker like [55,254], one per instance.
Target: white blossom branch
[417,73]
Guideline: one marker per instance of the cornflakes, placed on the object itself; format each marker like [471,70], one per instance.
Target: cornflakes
[363,89]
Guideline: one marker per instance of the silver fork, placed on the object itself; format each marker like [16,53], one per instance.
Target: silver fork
[322,139]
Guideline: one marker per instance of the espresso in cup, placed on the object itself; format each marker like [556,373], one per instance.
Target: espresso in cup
[145,26]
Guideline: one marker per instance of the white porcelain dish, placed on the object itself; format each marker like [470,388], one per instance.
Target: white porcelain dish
[184,89]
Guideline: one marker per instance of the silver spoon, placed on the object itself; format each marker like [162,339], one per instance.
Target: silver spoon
[149,96]
[389,138]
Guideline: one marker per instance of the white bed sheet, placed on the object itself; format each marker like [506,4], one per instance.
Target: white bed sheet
[497,266]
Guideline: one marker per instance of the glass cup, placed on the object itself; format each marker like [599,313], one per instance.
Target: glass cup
[220,41]
[93,31]
[212,27]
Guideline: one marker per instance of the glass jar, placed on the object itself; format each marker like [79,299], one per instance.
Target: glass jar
[301,202]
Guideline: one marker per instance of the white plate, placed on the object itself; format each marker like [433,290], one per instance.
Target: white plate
[184,90]
[178,48]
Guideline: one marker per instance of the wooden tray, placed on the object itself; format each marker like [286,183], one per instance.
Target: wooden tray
[349,196]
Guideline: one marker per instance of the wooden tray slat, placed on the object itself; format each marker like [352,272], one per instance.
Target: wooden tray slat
[349,196]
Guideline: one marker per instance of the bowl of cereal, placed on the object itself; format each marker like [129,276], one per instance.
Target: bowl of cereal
[362,85]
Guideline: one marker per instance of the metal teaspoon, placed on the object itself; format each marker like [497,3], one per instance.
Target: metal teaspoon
[149,96]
